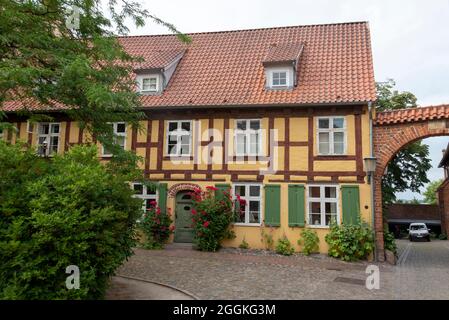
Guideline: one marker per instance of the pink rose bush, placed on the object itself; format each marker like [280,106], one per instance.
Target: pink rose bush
[157,226]
[211,217]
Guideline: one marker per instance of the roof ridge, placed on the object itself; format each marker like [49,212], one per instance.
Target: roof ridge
[414,108]
[245,30]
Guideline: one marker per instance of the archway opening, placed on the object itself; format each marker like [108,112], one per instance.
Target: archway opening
[410,188]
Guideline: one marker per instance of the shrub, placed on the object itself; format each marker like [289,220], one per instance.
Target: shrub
[156,227]
[68,210]
[350,242]
[244,244]
[284,247]
[309,241]
[389,241]
[442,236]
[211,216]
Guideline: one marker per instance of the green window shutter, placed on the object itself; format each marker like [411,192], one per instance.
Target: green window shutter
[222,188]
[350,204]
[162,190]
[273,205]
[296,205]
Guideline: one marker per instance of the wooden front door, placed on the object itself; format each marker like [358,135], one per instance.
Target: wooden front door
[183,217]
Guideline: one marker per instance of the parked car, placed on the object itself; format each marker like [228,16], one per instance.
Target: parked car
[418,231]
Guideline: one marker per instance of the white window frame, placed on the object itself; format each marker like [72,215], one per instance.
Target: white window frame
[287,79]
[149,77]
[144,196]
[116,134]
[247,133]
[178,133]
[331,132]
[322,201]
[48,137]
[249,198]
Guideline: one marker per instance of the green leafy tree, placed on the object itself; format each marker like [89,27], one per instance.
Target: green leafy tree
[408,168]
[430,195]
[69,210]
[47,58]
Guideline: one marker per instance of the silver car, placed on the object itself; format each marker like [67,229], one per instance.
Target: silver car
[418,231]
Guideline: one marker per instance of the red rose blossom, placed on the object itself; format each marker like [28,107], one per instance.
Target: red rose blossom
[206,224]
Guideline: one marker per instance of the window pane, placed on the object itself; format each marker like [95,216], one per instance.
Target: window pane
[185,126]
[54,141]
[339,123]
[339,148]
[315,207]
[172,126]
[172,149]
[240,214]
[241,125]
[121,128]
[314,192]
[43,129]
[138,189]
[254,143]
[339,137]
[330,192]
[172,139]
[315,220]
[254,191]
[283,78]
[330,218]
[323,123]
[254,124]
[185,149]
[120,140]
[323,143]
[55,128]
[240,190]
[151,192]
[185,139]
[254,210]
[241,140]
[330,208]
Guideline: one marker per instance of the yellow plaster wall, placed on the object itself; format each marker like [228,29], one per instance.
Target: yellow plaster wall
[299,129]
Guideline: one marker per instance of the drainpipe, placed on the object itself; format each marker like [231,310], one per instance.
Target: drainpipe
[370,111]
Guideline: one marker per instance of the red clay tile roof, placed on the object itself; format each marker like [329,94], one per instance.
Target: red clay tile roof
[284,52]
[225,68]
[412,114]
[158,59]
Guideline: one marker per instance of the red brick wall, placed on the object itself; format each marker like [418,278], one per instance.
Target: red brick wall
[443,199]
[413,211]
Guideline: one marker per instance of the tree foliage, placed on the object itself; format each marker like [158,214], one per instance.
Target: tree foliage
[69,210]
[430,195]
[84,68]
[408,168]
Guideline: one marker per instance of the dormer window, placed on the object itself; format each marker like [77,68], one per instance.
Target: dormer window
[149,84]
[281,65]
[279,78]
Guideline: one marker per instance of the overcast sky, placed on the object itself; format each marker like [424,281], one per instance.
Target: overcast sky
[410,39]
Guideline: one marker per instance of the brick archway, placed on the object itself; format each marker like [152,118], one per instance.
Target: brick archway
[182,187]
[392,131]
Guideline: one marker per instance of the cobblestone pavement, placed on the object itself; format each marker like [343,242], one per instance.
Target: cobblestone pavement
[422,271]
[239,274]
